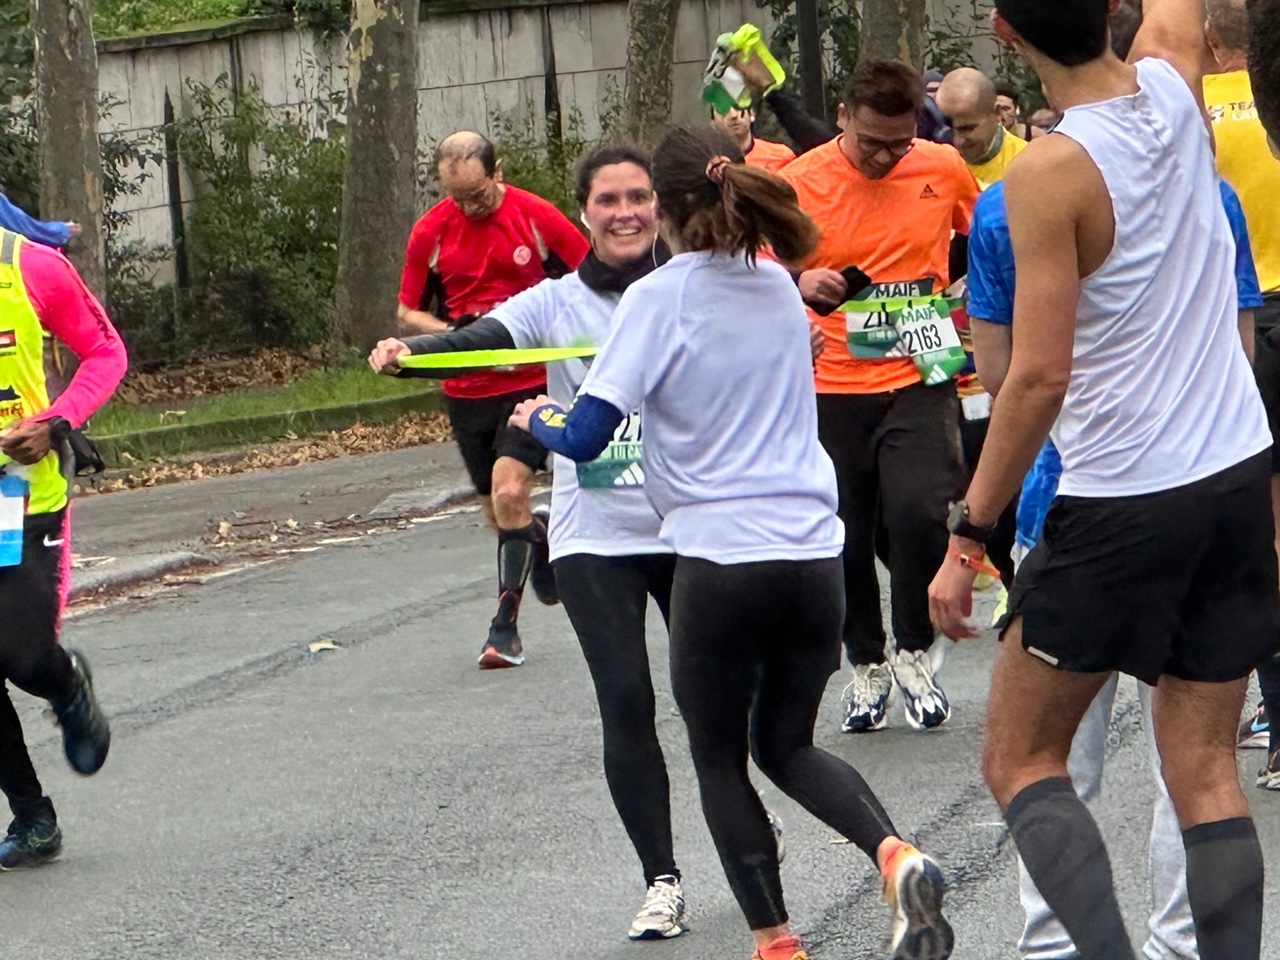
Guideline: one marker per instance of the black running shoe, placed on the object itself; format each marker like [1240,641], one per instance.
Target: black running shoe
[30,843]
[543,575]
[86,735]
[504,647]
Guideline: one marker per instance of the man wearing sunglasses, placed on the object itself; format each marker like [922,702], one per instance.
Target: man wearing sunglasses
[888,205]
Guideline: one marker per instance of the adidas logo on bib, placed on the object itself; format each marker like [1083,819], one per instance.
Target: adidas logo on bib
[936,376]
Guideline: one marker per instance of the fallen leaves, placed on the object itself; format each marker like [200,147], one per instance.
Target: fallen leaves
[215,374]
[409,431]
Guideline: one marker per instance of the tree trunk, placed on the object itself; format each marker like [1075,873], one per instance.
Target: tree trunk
[894,30]
[651,43]
[378,184]
[66,72]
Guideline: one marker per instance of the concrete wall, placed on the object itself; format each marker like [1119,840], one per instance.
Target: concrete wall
[471,65]
[493,57]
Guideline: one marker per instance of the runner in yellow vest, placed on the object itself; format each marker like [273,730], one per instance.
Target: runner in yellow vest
[42,297]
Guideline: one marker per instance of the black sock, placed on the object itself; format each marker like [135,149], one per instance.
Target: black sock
[1224,885]
[1065,856]
[516,550]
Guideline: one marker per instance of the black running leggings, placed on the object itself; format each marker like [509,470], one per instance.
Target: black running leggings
[30,657]
[606,598]
[752,648]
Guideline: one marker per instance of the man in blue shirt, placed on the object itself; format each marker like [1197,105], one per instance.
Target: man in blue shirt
[52,233]
[991,287]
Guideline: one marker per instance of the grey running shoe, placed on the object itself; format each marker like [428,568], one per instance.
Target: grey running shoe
[866,698]
[923,701]
[30,842]
[86,734]
[662,915]
[914,891]
[1269,776]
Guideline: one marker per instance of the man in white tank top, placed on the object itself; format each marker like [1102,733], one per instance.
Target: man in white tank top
[1156,558]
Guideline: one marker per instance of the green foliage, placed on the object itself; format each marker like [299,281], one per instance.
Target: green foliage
[950,44]
[19,173]
[263,239]
[540,156]
[841,40]
[115,18]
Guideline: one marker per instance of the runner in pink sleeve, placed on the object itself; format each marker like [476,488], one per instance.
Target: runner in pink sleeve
[42,297]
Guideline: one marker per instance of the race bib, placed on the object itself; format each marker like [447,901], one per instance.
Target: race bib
[619,465]
[927,335]
[13,509]
[899,320]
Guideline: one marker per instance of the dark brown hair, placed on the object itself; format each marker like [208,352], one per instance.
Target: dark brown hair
[748,209]
[888,87]
[607,156]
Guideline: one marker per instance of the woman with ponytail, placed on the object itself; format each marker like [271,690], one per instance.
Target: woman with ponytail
[713,349]
[604,544]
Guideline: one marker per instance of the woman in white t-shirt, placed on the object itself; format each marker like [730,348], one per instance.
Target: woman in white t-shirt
[713,349]
[605,549]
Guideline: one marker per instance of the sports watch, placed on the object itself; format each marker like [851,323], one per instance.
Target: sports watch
[958,524]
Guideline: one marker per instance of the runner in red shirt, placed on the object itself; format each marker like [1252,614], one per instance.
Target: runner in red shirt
[482,244]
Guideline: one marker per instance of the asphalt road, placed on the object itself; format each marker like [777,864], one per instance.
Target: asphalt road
[387,799]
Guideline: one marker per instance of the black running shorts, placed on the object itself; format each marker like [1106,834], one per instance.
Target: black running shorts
[482,434]
[1181,582]
[1266,368]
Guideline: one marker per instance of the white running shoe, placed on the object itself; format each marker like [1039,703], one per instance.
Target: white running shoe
[866,698]
[662,915]
[924,702]
[914,892]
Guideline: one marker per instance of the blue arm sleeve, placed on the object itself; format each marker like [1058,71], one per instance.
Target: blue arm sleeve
[50,233]
[582,433]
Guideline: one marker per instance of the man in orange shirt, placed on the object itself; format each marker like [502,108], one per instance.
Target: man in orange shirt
[765,154]
[888,205]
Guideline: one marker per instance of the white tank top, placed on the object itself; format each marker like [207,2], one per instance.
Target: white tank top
[1161,393]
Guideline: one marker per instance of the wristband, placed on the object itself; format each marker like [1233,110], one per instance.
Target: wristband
[976,564]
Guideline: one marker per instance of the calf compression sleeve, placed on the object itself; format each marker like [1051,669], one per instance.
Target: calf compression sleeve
[516,552]
[1063,851]
[1224,885]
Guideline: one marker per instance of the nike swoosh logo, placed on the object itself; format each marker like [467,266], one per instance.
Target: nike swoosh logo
[1257,727]
[53,543]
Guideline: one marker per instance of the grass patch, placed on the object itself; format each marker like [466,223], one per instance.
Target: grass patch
[117,18]
[323,388]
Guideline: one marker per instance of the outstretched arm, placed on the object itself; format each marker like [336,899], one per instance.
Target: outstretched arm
[486,333]
[581,434]
[1173,30]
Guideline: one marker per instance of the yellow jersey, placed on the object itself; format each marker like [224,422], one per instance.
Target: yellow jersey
[993,170]
[1245,162]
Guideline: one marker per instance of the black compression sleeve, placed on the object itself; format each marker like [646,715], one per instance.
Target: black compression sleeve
[958,260]
[487,333]
[805,131]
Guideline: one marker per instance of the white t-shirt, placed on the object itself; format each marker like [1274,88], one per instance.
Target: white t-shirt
[1161,395]
[606,513]
[716,355]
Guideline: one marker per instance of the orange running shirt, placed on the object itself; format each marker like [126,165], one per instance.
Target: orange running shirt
[896,230]
[768,155]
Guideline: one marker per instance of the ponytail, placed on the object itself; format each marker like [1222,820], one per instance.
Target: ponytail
[716,202]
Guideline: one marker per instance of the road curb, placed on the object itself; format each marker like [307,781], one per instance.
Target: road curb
[121,573]
[119,450]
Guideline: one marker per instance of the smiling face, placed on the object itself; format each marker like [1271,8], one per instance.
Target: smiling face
[619,213]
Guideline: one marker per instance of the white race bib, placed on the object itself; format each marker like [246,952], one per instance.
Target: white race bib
[619,465]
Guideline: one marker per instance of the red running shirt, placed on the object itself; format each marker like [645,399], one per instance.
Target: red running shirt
[471,266]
